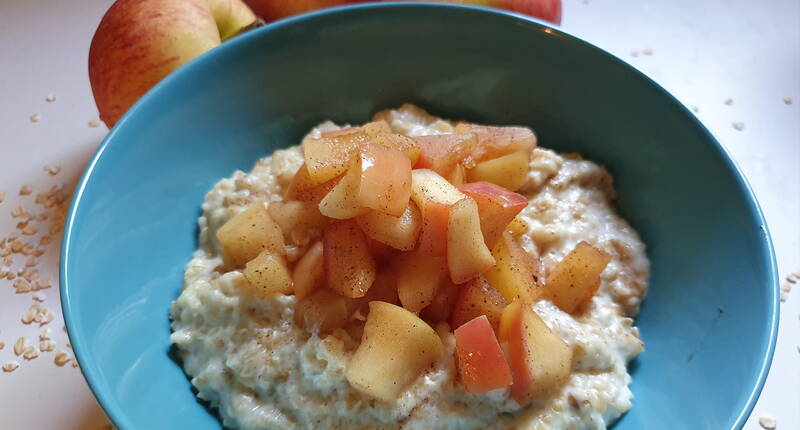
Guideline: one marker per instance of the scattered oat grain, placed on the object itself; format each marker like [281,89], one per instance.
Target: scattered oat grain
[52,170]
[647,51]
[20,345]
[61,358]
[10,276]
[36,117]
[44,333]
[10,366]
[738,125]
[31,261]
[45,240]
[21,286]
[94,123]
[50,98]
[768,423]
[2,196]
[30,230]
[25,190]
[46,345]
[30,353]
[42,217]
[729,101]
[74,364]
[39,297]
[787,100]
[2,345]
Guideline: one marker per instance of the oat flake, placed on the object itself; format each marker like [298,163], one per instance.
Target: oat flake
[787,100]
[25,190]
[36,117]
[50,98]
[768,423]
[20,345]
[10,366]
[52,170]
[94,123]
[738,125]
[2,196]
[61,359]
[729,101]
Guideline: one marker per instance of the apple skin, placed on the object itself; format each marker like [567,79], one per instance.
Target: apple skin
[139,42]
[270,10]
[548,10]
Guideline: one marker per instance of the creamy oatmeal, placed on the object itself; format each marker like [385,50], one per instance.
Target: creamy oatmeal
[247,357]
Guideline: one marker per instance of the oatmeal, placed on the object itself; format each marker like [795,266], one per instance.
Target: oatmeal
[250,356]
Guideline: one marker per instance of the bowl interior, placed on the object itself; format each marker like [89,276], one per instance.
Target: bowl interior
[132,227]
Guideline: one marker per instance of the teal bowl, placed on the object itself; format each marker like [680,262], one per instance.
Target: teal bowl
[709,322]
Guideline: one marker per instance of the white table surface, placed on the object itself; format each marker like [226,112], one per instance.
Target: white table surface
[704,52]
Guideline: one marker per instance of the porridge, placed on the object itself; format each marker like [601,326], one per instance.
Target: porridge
[491,287]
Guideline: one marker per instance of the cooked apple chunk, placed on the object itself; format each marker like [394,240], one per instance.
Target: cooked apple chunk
[478,298]
[395,349]
[482,366]
[540,361]
[574,280]
[304,189]
[398,232]
[247,234]
[434,196]
[494,141]
[322,312]
[309,272]
[328,157]
[419,276]
[267,274]
[497,208]
[467,254]
[385,183]
[443,302]
[516,275]
[349,266]
[299,221]
[509,171]
[342,201]
[441,153]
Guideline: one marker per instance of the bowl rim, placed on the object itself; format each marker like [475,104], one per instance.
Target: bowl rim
[113,410]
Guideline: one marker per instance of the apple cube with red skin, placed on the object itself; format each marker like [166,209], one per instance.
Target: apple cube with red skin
[575,279]
[385,183]
[540,361]
[349,266]
[509,171]
[467,253]
[441,153]
[494,141]
[419,276]
[517,274]
[309,271]
[247,234]
[434,196]
[396,348]
[398,232]
[497,207]
[482,366]
[478,298]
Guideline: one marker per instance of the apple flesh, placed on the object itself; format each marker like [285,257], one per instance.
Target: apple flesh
[322,312]
[494,141]
[419,276]
[247,234]
[467,253]
[441,153]
[396,348]
[434,196]
[300,222]
[482,366]
[443,302]
[349,266]
[304,189]
[575,279]
[517,274]
[267,274]
[309,272]
[385,183]
[540,361]
[497,207]
[139,42]
[478,298]
[398,232]
[509,171]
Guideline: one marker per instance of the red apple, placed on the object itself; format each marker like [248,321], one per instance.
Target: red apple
[481,363]
[139,42]
[497,207]
[270,10]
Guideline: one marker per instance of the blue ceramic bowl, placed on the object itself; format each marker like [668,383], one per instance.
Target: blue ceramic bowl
[709,321]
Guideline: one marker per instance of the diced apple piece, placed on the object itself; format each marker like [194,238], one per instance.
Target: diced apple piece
[309,272]
[329,157]
[247,234]
[396,348]
[496,141]
[349,267]
[509,171]
[481,363]
[322,312]
[443,302]
[418,278]
[404,144]
[342,201]
[384,289]
[299,221]
[497,207]
[267,274]
[516,227]
[385,184]
[375,128]
[478,298]
[574,280]
[516,275]
[303,189]
[380,251]
[442,152]
[434,196]
[467,253]
[398,232]
[540,361]
[457,176]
